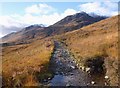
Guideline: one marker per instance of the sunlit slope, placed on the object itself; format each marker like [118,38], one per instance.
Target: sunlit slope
[98,39]
[23,64]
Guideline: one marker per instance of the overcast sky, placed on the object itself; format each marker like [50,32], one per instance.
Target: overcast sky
[16,15]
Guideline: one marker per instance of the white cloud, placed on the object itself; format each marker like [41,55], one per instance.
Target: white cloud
[47,19]
[1,34]
[9,24]
[47,15]
[43,19]
[39,9]
[69,12]
[101,8]
[9,21]
[15,22]
[32,9]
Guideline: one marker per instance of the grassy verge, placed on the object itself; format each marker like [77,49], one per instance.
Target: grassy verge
[93,41]
[26,65]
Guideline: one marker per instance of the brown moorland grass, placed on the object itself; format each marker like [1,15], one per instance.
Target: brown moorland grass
[23,64]
[98,39]
[27,64]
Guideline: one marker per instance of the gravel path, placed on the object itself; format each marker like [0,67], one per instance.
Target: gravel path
[65,69]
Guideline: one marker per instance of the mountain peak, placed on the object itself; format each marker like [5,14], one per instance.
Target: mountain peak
[35,26]
[78,18]
[77,15]
[81,13]
[69,23]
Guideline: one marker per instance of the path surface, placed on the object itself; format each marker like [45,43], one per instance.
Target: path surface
[65,69]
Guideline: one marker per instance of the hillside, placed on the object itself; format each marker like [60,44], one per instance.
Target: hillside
[25,35]
[96,40]
[67,24]
[28,64]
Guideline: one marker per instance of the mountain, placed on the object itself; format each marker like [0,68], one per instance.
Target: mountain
[79,18]
[26,33]
[69,23]
[73,22]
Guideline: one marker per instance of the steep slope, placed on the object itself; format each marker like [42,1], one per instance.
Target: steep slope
[69,23]
[96,40]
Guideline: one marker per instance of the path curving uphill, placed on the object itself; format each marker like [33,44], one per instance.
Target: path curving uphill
[64,67]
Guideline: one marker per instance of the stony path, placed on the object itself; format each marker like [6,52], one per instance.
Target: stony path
[65,69]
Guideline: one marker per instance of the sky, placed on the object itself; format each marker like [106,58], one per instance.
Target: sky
[16,15]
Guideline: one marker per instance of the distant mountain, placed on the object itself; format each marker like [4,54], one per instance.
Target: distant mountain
[69,23]
[26,33]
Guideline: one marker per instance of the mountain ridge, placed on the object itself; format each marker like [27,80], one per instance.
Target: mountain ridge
[69,23]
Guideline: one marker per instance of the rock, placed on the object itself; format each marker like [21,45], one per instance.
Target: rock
[92,82]
[77,64]
[67,84]
[105,84]
[87,69]
[71,74]
[62,73]
[106,77]
[60,63]
[73,67]
[44,80]
[49,78]
[56,72]
[88,84]
[80,67]
[83,68]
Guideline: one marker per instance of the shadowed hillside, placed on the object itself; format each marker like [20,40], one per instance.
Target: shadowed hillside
[67,24]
